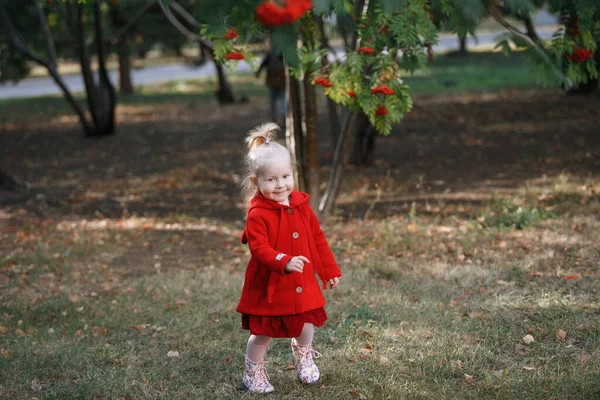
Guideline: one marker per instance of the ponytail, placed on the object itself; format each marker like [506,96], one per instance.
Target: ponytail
[262,134]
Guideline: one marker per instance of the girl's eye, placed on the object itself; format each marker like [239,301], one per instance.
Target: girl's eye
[270,179]
[286,176]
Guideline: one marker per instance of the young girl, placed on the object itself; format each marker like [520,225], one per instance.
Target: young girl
[281,297]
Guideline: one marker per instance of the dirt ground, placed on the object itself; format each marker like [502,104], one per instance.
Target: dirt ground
[181,164]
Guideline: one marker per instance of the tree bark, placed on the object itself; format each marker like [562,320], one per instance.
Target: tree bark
[225,93]
[530,29]
[22,46]
[125,83]
[340,159]
[364,141]
[123,51]
[86,70]
[462,43]
[295,128]
[106,91]
[311,174]
[47,34]
[334,121]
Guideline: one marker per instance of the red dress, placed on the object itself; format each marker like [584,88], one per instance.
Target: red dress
[276,303]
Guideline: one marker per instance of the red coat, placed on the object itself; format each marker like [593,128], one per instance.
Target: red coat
[275,233]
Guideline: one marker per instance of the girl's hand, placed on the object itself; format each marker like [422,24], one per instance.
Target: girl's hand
[296,264]
[333,282]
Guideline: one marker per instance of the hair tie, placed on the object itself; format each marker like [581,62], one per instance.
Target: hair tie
[267,140]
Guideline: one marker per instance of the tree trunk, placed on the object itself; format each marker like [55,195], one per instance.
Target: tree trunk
[334,121]
[125,84]
[224,93]
[364,141]
[311,174]
[462,42]
[295,128]
[123,52]
[340,159]
[106,91]
[531,29]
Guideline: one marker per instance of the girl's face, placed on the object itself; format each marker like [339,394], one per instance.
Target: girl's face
[276,181]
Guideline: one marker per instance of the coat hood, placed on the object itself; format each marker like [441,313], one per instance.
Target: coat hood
[296,199]
[260,201]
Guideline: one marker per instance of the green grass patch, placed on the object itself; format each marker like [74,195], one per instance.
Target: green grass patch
[477,71]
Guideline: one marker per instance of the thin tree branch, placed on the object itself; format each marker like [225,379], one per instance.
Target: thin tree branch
[106,87]
[65,14]
[86,71]
[127,27]
[22,47]
[182,29]
[497,14]
[186,15]
[47,34]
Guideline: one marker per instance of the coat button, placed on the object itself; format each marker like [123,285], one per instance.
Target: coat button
[299,289]
[295,235]
[290,211]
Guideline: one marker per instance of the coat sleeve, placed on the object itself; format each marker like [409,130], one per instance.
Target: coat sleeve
[330,266]
[258,242]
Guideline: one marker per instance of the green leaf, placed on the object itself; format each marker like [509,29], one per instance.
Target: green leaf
[504,45]
[321,7]
[393,5]
[285,41]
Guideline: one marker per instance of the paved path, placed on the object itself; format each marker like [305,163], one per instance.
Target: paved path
[45,85]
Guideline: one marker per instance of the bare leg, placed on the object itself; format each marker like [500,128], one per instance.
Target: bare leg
[257,348]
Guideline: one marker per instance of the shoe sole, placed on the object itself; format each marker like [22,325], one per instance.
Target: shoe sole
[245,388]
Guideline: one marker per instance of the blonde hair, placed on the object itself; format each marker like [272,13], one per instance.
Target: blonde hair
[262,149]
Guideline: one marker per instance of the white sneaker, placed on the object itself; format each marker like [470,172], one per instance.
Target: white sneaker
[255,378]
[302,357]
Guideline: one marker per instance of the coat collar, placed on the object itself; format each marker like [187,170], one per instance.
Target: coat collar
[296,199]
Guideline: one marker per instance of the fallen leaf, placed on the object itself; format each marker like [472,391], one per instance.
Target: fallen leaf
[561,335]
[364,352]
[571,277]
[536,274]
[469,378]
[3,329]
[173,353]
[528,368]
[73,297]
[428,334]
[102,331]
[6,353]
[528,339]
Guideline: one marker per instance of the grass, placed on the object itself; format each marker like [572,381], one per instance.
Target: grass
[431,305]
[475,72]
[422,313]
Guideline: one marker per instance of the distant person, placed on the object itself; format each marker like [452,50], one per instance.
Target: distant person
[281,297]
[275,81]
